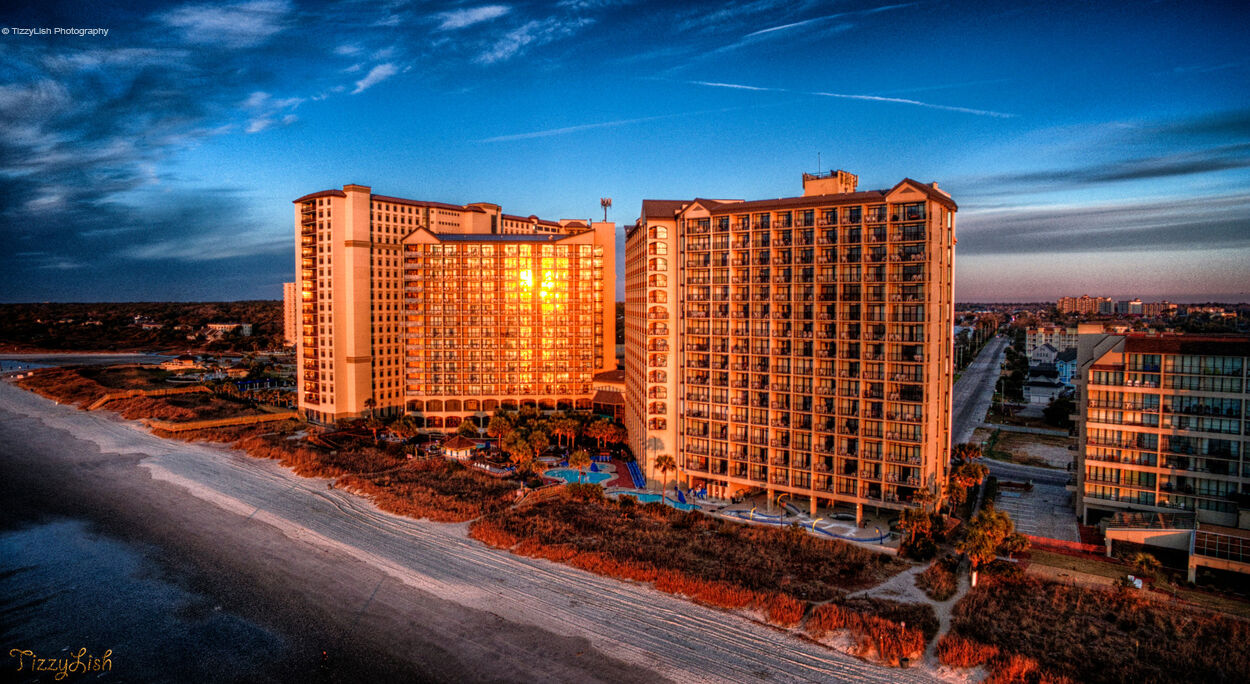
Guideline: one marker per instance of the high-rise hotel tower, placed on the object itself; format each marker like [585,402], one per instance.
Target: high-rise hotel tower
[797,346]
[447,311]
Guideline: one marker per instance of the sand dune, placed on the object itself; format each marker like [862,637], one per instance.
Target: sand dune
[424,593]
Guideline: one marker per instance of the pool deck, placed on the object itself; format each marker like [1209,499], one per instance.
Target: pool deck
[869,533]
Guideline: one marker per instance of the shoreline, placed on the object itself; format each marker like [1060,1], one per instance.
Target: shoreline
[422,589]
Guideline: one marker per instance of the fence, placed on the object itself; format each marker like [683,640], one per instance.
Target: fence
[1061,546]
[127,394]
[542,493]
[220,422]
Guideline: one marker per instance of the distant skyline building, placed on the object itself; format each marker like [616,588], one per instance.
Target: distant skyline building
[1084,304]
[290,313]
[798,346]
[447,311]
[1107,306]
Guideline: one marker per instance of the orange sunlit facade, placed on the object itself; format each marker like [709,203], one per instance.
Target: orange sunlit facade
[447,311]
[797,346]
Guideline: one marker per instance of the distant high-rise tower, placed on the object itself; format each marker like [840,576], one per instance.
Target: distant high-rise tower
[797,346]
[447,311]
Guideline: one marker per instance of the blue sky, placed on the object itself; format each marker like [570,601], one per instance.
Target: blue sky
[1097,148]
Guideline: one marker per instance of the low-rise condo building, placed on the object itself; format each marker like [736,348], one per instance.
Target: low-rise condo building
[1162,425]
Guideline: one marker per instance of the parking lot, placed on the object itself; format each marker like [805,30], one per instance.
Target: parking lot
[1044,512]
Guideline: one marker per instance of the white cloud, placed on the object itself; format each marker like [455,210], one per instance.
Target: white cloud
[34,101]
[866,98]
[238,25]
[122,57]
[375,76]
[347,50]
[258,125]
[533,34]
[599,124]
[269,111]
[467,17]
[256,99]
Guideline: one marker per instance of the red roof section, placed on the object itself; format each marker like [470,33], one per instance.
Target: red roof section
[459,443]
[323,193]
[661,208]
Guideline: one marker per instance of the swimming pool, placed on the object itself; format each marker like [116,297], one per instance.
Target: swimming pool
[570,475]
[652,498]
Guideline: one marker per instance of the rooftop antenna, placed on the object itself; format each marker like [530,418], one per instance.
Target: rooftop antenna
[605,202]
[818,163]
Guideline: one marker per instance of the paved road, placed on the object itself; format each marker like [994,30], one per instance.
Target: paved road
[681,641]
[1044,512]
[975,390]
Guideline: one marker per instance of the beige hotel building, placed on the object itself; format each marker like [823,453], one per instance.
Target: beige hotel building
[447,311]
[798,346]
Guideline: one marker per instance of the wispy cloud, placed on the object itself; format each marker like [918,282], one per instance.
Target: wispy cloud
[1167,166]
[458,19]
[85,60]
[827,17]
[943,86]
[267,111]
[1138,224]
[865,98]
[738,14]
[375,76]
[239,25]
[530,35]
[600,124]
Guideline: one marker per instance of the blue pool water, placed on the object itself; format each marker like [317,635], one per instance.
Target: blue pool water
[570,475]
[652,498]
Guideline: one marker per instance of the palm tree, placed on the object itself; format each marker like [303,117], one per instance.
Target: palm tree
[598,430]
[565,427]
[519,451]
[539,442]
[665,463]
[371,404]
[1147,565]
[990,533]
[917,527]
[580,459]
[374,423]
[966,452]
[499,426]
[615,434]
[964,476]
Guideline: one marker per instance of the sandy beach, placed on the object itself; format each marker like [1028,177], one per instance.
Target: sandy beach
[386,597]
